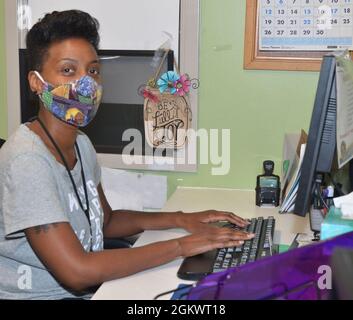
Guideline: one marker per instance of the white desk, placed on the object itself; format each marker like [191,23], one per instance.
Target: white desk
[146,285]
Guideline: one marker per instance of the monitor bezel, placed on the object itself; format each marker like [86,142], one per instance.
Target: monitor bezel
[327,83]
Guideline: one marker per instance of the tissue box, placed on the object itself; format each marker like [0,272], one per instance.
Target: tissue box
[333,225]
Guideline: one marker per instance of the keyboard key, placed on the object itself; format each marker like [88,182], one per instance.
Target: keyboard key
[258,247]
[235,262]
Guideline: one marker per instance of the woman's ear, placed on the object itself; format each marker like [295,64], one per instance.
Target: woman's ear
[35,83]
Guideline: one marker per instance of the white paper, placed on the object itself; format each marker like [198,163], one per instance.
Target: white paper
[134,191]
[344,76]
[347,211]
[348,198]
[154,191]
[120,188]
[345,203]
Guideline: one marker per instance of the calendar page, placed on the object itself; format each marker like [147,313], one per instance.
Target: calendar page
[305,25]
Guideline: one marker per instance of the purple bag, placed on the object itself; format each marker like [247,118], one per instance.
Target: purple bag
[292,275]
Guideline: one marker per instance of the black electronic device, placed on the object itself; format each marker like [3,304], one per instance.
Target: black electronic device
[321,143]
[196,267]
[268,186]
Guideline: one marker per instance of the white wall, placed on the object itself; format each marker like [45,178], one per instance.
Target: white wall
[125,24]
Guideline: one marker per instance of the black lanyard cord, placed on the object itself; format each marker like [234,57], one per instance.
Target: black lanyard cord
[84,184]
[86,211]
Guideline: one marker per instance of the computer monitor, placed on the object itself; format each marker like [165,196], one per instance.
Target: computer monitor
[321,143]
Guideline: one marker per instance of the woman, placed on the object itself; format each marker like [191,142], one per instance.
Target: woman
[53,212]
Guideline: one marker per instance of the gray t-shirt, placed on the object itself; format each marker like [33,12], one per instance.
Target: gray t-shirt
[36,190]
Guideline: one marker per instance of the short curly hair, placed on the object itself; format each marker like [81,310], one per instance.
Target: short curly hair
[59,26]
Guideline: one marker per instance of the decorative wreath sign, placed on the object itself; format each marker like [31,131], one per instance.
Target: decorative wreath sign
[167,112]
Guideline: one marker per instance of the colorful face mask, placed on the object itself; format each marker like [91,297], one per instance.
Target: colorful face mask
[75,103]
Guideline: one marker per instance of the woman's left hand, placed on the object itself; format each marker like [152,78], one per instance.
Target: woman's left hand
[200,221]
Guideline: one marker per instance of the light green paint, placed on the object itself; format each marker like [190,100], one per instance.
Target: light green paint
[259,107]
[3,108]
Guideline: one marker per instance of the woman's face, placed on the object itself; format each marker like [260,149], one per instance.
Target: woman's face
[66,61]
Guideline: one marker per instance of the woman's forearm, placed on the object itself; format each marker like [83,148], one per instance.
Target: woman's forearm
[124,223]
[113,264]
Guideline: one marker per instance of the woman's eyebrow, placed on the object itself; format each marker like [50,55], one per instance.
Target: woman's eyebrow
[76,61]
[69,59]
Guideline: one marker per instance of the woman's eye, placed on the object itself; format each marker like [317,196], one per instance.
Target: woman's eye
[94,71]
[68,70]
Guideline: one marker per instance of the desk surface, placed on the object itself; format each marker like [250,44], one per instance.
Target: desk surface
[147,284]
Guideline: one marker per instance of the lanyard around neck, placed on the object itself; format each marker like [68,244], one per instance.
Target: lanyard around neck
[86,211]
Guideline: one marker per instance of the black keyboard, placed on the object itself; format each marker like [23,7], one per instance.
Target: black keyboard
[196,267]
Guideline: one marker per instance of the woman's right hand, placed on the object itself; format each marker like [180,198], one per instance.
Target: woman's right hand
[212,239]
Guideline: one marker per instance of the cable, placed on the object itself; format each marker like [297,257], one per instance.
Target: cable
[175,290]
[323,201]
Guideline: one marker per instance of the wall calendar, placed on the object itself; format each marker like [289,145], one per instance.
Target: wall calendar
[305,25]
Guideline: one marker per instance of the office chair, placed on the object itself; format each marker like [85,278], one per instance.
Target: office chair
[119,243]
[113,243]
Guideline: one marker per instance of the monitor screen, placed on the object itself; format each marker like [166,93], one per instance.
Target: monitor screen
[321,143]
[123,72]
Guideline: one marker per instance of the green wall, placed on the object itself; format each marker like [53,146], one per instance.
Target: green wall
[3,113]
[257,106]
